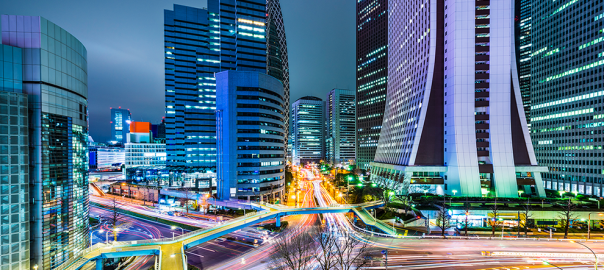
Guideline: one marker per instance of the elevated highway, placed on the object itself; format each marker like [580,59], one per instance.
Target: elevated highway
[170,252]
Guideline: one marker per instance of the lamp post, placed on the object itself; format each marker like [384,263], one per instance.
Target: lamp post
[589,224]
[502,227]
[106,237]
[520,193]
[174,228]
[561,193]
[454,192]
[596,264]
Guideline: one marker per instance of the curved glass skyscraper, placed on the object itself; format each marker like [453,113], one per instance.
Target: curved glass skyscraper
[454,121]
[54,76]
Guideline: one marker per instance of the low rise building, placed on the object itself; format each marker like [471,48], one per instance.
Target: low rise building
[141,149]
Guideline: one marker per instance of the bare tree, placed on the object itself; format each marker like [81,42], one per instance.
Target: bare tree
[443,219]
[527,215]
[189,195]
[293,251]
[327,243]
[116,217]
[567,215]
[494,221]
[351,252]
[467,207]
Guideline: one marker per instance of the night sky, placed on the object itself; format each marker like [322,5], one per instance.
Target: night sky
[124,40]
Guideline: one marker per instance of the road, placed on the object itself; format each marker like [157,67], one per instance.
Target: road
[149,211]
[236,251]
[201,256]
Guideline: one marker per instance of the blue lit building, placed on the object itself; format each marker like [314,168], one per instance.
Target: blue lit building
[14,172]
[120,125]
[250,117]
[228,35]
[53,69]
[308,130]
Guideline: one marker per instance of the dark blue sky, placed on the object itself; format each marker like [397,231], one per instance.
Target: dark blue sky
[124,39]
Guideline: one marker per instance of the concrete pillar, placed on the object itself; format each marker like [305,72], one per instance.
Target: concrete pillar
[99,264]
[278,221]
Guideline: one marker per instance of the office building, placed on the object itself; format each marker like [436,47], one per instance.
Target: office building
[110,158]
[217,39]
[524,48]
[567,63]
[372,76]
[14,162]
[458,126]
[340,133]
[120,125]
[308,121]
[53,68]
[142,150]
[159,130]
[251,136]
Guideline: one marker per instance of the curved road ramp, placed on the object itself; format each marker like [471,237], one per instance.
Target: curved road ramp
[170,253]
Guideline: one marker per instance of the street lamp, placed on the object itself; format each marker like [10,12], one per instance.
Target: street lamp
[174,228]
[561,193]
[454,192]
[596,264]
[520,193]
[589,224]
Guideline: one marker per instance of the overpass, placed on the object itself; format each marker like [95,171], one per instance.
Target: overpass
[170,253]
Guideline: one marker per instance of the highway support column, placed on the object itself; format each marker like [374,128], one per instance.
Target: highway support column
[278,221]
[99,264]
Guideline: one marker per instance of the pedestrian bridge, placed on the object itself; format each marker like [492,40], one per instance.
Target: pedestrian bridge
[170,253]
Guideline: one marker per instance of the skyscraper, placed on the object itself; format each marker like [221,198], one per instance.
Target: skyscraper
[228,35]
[308,122]
[567,64]
[120,124]
[54,75]
[14,163]
[340,126]
[372,76]
[454,120]
[251,136]
[523,53]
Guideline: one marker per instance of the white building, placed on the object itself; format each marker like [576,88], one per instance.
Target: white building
[140,151]
[145,154]
[454,121]
[110,158]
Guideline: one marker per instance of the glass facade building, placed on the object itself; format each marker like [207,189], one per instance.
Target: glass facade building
[454,121]
[524,48]
[54,73]
[340,142]
[308,127]
[228,35]
[372,76]
[567,63]
[14,162]
[120,125]
[250,120]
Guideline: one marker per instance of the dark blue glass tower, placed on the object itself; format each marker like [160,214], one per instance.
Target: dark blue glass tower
[228,35]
